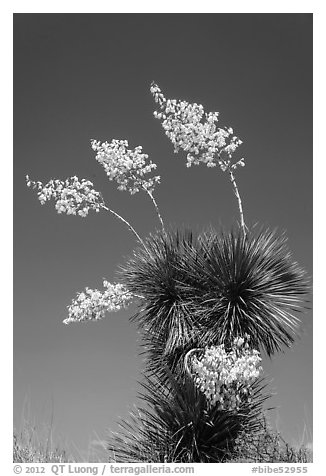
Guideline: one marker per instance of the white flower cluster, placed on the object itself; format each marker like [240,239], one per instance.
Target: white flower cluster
[226,377]
[72,196]
[196,132]
[91,305]
[126,166]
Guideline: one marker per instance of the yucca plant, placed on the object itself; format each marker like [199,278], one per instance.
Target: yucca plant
[165,316]
[205,293]
[201,290]
[178,425]
[207,289]
[248,285]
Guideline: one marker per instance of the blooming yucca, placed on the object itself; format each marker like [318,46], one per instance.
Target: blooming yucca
[92,304]
[226,377]
[193,130]
[72,196]
[127,167]
[76,197]
[190,128]
[215,297]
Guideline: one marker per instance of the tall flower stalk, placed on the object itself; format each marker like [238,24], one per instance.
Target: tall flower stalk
[150,194]
[74,197]
[193,130]
[119,217]
[237,194]
[128,168]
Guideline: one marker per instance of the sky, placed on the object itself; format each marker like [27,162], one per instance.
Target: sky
[79,77]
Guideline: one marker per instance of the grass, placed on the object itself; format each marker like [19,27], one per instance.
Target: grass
[268,446]
[33,445]
[30,445]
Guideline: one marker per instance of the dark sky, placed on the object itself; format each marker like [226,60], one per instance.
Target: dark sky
[84,76]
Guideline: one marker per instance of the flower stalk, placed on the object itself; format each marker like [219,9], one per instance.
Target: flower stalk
[195,131]
[131,228]
[237,194]
[156,208]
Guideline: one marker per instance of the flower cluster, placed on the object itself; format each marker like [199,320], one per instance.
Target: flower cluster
[127,167]
[196,132]
[226,377]
[72,196]
[91,305]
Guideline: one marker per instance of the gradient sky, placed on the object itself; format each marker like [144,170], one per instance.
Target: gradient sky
[84,76]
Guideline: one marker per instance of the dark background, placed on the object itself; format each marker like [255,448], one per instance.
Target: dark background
[84,76]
